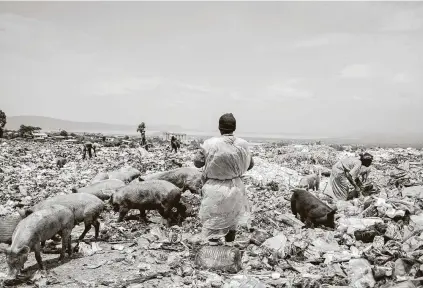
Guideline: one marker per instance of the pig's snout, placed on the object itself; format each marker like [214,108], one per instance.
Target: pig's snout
[16,264]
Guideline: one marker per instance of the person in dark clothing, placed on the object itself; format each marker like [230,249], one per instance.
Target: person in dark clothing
[175,145]
[143,141]
[141,129]
[88,147]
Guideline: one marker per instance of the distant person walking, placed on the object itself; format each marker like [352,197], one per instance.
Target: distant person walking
[88,147]
[174,144]
[344,178]
[224,203]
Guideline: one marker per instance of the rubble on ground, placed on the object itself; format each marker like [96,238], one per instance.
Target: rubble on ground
[377,242]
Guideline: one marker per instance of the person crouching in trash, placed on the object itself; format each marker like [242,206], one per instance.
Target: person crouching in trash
[88,147]
[224,204]
[345,174]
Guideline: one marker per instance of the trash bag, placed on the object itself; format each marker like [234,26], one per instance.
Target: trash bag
[360,274]
[7,227]
[222,258]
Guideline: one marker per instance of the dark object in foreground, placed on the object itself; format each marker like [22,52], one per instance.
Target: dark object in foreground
[8,225]
[223,258]
[312,210]
[157,195]
[368,235]
[60,162]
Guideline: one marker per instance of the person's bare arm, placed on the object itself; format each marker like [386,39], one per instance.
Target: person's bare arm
[350,179]
[365,176]
[199,159]
[354,174]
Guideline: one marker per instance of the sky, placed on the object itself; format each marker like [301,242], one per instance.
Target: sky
[310,68]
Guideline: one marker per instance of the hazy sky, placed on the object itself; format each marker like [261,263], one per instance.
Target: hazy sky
[325,68]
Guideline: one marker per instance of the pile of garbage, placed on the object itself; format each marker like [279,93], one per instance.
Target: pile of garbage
[377,242]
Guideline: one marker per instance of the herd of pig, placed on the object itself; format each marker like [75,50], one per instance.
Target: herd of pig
[124,190]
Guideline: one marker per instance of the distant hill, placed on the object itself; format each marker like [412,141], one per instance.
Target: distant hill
[49,124]
[53,124]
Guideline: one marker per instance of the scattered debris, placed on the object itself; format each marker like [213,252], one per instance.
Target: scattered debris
[377,240]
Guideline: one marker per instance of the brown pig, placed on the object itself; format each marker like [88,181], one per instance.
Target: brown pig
[312,210]
[148,195]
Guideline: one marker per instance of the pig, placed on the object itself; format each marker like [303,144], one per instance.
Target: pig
[185,178]
[86,208]
[125,174]
[102,189]
[36,228]
[100,177]
[148,195]
[312,210]
[8,225]
[60,162]
[311,182]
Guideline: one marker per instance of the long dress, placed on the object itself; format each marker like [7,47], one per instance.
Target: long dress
[341,187]
[224,205]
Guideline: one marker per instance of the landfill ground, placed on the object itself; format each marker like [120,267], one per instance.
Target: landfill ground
[378,240]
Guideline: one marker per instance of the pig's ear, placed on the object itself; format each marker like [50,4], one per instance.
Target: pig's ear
[24,250]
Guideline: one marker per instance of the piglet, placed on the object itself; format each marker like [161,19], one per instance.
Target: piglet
[311,182]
